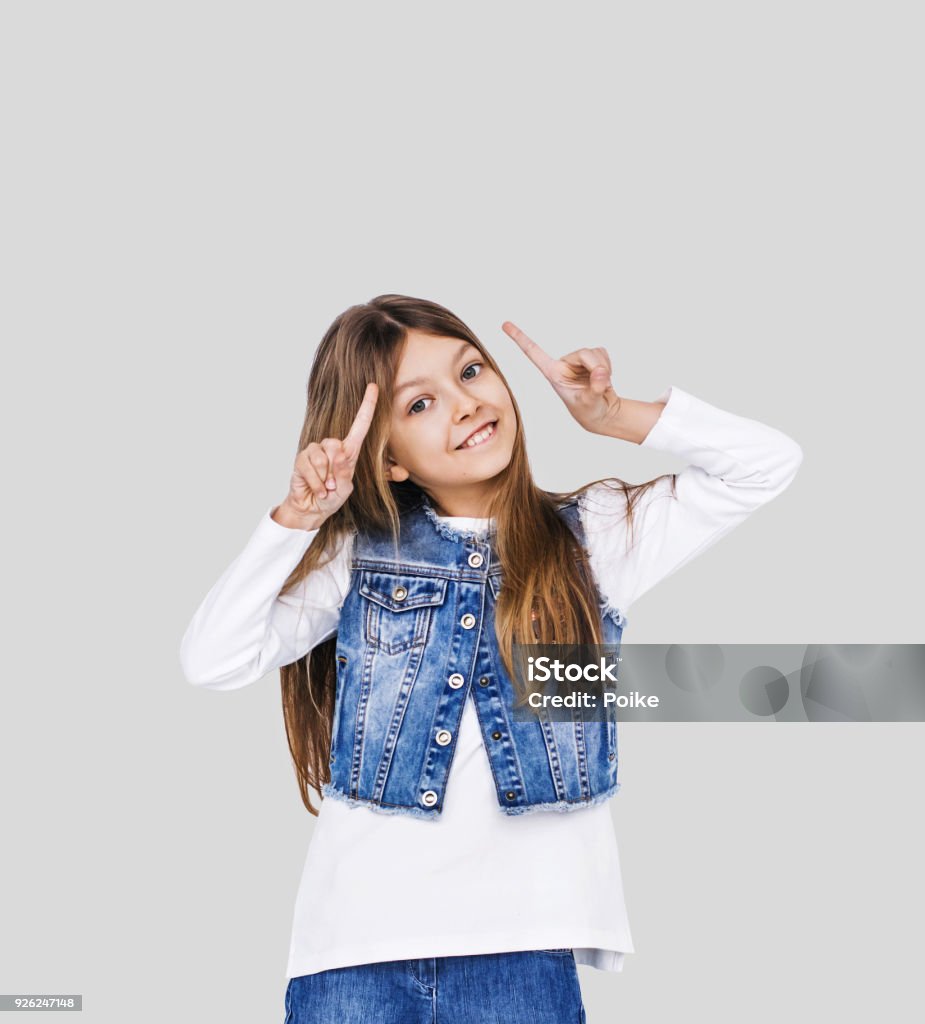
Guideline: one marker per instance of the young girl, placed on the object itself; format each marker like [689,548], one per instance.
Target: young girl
[463,860]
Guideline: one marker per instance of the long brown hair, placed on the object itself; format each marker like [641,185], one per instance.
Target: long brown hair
[549,594]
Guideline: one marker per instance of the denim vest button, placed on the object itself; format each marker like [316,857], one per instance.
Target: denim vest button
[483,681]
[475,559]
[510,794]
[456,680]
[496,735]
[399,593]
[467,621]
[429,798]
[443,737]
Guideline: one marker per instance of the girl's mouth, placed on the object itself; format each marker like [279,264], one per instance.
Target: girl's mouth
[483,437]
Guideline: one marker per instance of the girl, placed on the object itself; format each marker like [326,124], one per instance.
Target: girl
[464,860]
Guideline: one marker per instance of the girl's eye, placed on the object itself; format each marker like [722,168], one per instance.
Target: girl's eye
[471,366]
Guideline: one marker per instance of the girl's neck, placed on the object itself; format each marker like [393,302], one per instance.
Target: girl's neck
[465,502]
[448,515]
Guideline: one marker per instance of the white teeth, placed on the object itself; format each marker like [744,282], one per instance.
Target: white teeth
[482,435]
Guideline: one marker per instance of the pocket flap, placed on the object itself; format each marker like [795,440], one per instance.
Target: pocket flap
[399,592]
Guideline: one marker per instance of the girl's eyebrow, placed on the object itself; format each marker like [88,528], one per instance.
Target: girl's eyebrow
[425,380]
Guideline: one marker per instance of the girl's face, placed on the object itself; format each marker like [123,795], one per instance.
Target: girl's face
[445,393]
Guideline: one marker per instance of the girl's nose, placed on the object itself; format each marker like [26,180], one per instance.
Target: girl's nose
[466,405]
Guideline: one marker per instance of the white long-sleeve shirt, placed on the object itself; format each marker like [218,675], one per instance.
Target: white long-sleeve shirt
[347,914]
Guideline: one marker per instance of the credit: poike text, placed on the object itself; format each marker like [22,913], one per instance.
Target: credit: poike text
[635,699]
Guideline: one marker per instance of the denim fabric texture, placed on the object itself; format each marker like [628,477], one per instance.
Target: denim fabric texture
[416,639]
[533,987]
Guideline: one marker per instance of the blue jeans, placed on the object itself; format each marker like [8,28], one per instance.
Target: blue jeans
[533,987]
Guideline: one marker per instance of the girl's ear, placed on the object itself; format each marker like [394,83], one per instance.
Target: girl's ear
[394,472]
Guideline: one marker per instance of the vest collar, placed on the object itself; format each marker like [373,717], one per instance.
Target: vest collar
[448,530]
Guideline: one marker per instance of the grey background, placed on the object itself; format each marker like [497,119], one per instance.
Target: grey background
[727,196]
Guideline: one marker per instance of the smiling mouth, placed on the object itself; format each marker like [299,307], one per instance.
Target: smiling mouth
[480,437]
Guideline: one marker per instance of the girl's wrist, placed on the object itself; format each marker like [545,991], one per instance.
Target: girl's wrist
[634,420]
[287,516]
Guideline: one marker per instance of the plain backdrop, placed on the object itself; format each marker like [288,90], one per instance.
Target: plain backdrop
[726,196]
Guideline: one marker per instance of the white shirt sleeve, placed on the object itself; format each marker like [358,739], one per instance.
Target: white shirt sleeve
[735,465]
[244,628]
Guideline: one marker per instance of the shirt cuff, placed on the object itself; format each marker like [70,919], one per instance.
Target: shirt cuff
[671,418]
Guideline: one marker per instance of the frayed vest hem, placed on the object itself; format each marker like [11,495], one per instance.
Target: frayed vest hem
[559,806]
[328,790]
[563,805]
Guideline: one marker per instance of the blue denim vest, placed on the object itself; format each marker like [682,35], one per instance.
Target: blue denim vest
[416,640]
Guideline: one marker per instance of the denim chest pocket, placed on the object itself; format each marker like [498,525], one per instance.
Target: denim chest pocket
[398,609]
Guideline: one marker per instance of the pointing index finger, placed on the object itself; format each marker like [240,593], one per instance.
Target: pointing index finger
[530,348]
[362,420]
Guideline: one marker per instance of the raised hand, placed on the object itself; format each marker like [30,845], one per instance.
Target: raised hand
[322,477]
[581,379]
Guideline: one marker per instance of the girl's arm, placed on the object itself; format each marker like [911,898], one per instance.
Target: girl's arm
[735,465]
[244,629]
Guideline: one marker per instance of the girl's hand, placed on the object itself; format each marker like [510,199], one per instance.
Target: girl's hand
[322,478]
[581,379]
